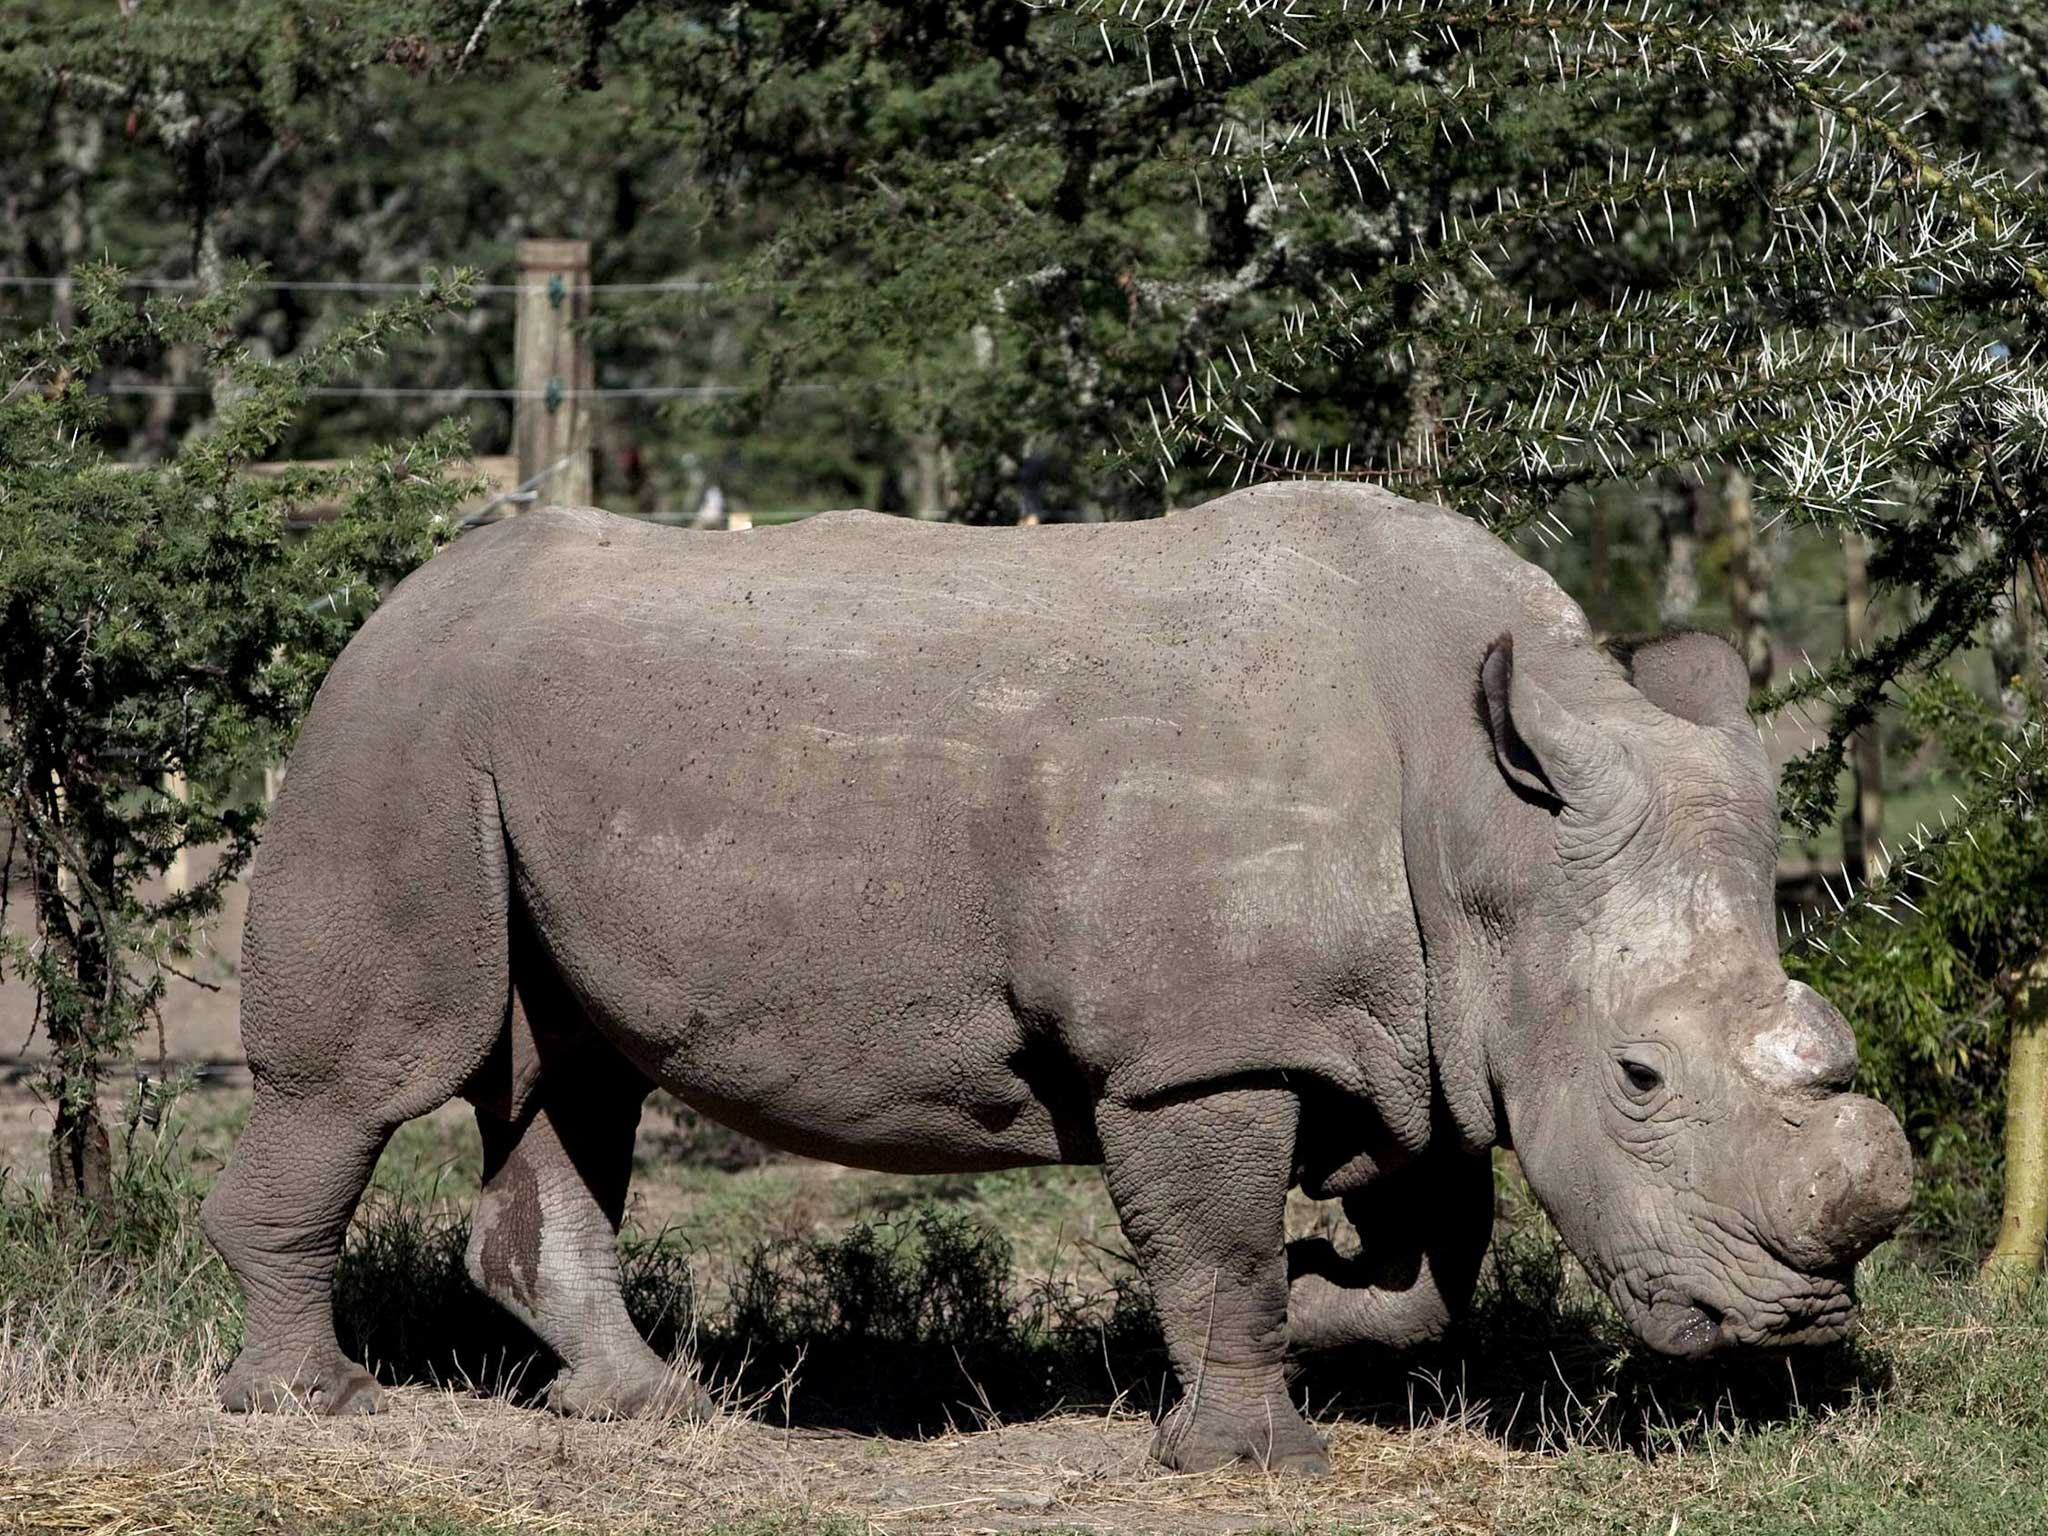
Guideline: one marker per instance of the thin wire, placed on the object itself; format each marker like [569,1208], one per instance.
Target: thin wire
[679,285]
[481,518]
[460,392]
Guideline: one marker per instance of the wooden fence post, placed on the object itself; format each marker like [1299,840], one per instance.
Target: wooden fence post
[178,874]
[553,371]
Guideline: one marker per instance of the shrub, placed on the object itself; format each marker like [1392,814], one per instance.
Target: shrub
[1926,982]
[161,634]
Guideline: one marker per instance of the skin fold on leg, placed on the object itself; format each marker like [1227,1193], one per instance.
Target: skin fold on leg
[1200,1185]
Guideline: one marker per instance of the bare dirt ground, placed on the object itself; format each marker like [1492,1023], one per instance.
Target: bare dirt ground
[200,1015]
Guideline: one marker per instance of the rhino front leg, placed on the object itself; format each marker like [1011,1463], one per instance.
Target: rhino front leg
[1423,1231]
[1200,1185]
[544,1243]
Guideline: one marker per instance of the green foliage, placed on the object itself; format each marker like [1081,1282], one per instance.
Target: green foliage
[936,1280]
[1925,960]
[910,1323]
[162,624]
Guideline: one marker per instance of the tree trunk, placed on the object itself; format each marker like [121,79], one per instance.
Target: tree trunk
[2022,1231]
[1749,581]
[1422,443]
[1860,833]
[934,477]
[81,1164]
[79,140]
[2011,641]
[1600,600]
[2016,1257]
[1678,522]
[81,1158]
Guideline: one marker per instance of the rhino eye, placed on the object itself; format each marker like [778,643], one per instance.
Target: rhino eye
[1643,1079]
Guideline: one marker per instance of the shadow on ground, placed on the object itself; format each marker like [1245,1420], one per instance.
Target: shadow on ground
[914,1324]
[1542,1364]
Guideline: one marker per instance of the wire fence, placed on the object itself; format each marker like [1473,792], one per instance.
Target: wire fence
[453,393]
[460,392]
[524,492]
[310,285]
[445,394]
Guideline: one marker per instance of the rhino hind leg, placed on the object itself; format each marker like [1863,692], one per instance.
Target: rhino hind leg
[544,1241]
[1423,1231]
[1200,1185]
[360,1010]
[278,1216]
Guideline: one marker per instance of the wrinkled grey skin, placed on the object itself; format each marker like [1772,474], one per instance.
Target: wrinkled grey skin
[1305,839]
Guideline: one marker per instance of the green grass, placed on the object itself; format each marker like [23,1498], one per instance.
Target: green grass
[1936,1421]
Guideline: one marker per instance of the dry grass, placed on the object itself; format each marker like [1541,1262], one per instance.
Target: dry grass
[197,1496]
[1966,1456]
[477,1466]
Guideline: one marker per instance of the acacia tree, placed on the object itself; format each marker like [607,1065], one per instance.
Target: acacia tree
[1851,316]
[159,624]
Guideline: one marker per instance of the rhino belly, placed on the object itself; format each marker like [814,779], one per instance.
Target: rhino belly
[906,1076]
[829,975]
[894,1105]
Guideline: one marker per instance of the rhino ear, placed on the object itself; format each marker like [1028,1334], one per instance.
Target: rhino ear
[1697,677]
[1540,745]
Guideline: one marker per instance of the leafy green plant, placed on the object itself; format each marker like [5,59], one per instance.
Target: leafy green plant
[1926,958]
[917,1321]
[162,631]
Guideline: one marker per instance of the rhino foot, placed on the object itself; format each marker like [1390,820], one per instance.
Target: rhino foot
[610,1389]
[331,1388]
[1273,1438]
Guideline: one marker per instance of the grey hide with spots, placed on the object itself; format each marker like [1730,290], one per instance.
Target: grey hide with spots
[1304,839]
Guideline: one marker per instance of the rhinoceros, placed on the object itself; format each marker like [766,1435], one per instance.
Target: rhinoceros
[1305,839]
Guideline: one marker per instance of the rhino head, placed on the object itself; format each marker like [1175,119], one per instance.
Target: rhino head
[1680,1106]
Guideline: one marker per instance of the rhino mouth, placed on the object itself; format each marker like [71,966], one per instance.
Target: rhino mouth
[1683,1330]
[1695,1328]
